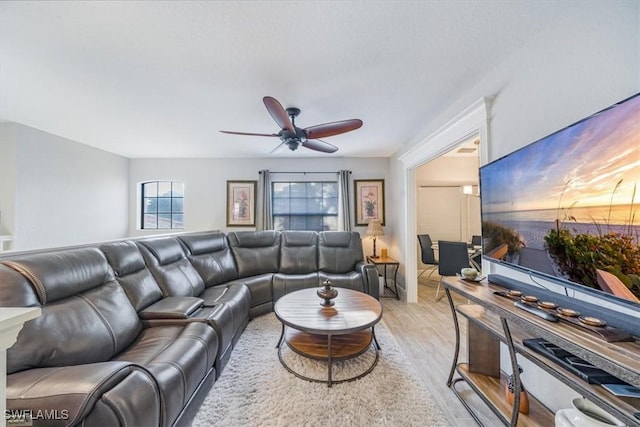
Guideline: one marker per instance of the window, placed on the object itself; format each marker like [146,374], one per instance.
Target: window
[305,205]
[162,205]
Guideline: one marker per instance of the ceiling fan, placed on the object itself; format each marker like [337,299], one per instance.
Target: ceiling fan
[293,136]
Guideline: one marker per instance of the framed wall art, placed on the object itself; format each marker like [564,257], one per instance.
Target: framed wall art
[241,203]
[369,200]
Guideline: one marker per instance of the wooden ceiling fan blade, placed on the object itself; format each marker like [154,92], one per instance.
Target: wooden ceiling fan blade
[318,145]
[278,113]
[248,133]
[333,128]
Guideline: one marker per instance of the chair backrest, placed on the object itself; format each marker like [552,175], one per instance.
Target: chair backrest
[426,249]
[453,256]
[476,240]
[498,252]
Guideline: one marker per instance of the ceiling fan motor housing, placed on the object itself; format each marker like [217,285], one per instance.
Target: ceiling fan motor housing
[291,139]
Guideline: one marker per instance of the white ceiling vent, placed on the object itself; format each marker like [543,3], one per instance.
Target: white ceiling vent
[465,150]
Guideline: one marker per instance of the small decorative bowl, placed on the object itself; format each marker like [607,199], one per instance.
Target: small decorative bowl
[592,321]
[567,312]
[514,293]
[529,298]
[469,273]
[547,304]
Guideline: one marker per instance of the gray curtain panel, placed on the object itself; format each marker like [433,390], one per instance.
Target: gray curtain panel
[264,219]
[344,195]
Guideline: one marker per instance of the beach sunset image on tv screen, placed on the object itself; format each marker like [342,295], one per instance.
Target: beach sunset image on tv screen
[567,205]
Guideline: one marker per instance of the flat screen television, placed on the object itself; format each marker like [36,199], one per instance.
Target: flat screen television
[567,205]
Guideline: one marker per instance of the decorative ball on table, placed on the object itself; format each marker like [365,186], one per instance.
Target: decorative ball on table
[327,293]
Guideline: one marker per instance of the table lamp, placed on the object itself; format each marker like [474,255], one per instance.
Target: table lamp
[375,229]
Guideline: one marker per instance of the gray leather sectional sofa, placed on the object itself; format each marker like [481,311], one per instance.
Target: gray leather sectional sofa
[135,332]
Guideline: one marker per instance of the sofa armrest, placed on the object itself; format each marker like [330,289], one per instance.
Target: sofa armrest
[200,315]
[370,278]
[172,308]
[65,396]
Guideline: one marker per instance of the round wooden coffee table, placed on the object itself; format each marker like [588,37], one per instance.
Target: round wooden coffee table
[341,332]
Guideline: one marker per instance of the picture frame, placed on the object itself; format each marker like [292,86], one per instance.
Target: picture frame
[241,203]
[369,201]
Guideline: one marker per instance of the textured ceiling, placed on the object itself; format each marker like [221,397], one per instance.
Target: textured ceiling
[160,79]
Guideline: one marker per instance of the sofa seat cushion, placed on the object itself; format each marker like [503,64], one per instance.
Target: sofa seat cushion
[260,288]
[352,280]
[234,295]
[71,395]
[179,357]
[287,283]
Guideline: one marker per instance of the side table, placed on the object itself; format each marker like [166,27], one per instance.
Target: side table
[386,262]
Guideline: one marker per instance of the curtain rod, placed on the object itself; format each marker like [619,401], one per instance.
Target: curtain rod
[304,173]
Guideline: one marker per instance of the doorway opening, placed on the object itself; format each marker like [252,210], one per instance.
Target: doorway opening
[448,206]
[470,123]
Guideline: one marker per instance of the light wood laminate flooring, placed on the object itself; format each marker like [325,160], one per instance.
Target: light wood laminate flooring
[426,335]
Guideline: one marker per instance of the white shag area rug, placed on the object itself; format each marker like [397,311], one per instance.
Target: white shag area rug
[256,390]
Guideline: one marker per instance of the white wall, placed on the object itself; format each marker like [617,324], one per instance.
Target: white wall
[443,211]
[569,71]
[57,192]
[206,182]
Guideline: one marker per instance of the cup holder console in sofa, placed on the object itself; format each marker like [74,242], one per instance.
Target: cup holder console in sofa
[135,332]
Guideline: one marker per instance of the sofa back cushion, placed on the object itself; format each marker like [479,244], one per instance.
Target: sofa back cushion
[339,251]
[299,252]
[132,273]
[211,256]
[255,252]
[169,265]
[16,290]
[61,274]
[86,316]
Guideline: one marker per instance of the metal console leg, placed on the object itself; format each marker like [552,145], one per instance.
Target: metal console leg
[457,330]
[516,373]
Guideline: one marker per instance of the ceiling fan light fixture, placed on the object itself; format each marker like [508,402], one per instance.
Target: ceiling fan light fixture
[293,144]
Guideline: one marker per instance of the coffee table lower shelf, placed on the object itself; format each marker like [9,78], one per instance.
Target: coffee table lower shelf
[329,348]
[492,391]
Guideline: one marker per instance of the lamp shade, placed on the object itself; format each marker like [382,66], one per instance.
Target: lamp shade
[375,229]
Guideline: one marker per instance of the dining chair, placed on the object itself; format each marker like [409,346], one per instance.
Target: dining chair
[453,257]
[427,254]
